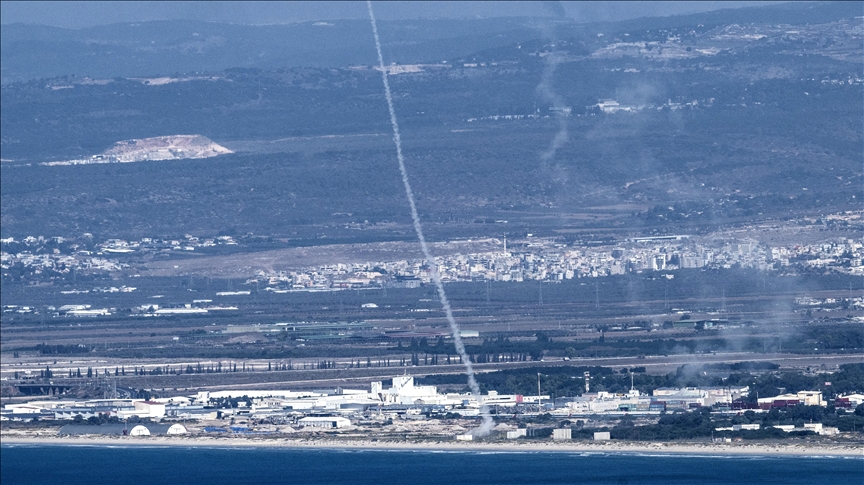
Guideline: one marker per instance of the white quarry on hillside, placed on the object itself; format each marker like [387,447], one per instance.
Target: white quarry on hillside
[174,147]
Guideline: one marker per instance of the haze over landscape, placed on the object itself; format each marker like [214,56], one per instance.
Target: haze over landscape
[646,217]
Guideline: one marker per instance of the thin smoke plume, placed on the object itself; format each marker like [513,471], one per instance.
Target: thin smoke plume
[548,93]
[487,424]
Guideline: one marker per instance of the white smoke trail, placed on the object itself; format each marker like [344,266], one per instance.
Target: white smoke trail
[487,424]
[548,93]
[546,89]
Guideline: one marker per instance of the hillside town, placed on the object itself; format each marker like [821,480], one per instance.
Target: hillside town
[529,258]
[542,259]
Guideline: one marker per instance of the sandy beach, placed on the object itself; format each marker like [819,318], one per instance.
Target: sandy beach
[738,448]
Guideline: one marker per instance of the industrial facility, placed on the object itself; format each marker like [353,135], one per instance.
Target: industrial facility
[402,401]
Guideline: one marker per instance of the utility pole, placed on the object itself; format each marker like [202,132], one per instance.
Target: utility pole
[596,295]
[539,402]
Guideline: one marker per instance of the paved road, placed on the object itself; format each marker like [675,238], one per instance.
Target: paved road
[360,377]
[657,365]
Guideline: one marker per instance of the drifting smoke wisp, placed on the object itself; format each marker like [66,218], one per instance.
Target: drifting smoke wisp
[487,424]
[545,88]
[557,102]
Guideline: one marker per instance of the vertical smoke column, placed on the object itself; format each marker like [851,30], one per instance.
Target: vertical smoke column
[487,423]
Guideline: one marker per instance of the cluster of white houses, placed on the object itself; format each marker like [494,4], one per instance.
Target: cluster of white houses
[403,399]
[544,259]
[531,258]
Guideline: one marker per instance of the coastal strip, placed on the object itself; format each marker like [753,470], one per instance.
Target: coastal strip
[699,449]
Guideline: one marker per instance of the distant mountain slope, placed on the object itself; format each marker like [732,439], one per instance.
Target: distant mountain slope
[162,48]
[805,69]
[683,124]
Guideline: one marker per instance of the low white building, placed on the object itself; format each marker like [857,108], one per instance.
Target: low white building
[817,428]
[853,400]
[517,433]
[807,398]
[149,409]
[327,422]
[740,427]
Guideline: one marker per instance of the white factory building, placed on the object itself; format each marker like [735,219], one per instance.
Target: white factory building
[403,392]
[604,402]
[703,396]
[663,399]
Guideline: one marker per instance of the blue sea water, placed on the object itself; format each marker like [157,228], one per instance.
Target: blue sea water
[145,465]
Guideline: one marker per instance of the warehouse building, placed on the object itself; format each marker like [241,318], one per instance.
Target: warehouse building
[807,398]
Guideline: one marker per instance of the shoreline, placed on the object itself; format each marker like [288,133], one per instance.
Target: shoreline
[665,448]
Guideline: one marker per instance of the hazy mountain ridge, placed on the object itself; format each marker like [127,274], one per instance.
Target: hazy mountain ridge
[760,125]
[160,48]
